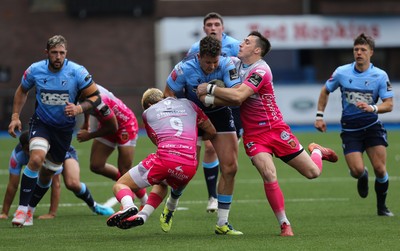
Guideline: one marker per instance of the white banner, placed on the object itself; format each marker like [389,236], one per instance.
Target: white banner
[284,32]
[298,104]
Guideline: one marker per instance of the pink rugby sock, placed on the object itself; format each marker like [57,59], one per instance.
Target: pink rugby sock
[154,200]
[141,193]
[317,159]
[124,192]
[275,196]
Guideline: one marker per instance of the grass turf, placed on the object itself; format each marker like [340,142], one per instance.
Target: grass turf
[326,213]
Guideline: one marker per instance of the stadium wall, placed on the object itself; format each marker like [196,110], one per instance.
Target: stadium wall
[119,50]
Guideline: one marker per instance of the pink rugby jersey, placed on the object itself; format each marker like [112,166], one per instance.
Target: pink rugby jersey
[173,124]
[125,117]
[259,112]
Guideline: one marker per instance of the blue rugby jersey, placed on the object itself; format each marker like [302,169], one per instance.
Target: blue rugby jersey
[187,75]
[355,86]
[53,90]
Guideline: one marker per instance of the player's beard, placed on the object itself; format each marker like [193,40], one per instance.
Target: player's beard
[56,65]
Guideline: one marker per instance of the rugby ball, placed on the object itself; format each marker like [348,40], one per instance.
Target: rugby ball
[217,82]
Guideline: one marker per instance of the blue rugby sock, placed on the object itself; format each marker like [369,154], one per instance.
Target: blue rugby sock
[381,188]
[28,183]
[85,195]
[211,176]
[38,193]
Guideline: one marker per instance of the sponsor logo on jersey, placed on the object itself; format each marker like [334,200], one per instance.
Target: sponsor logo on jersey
[174,75]
[13,163]
[50,97]
[124,136]
[120,115]
[388,86]
[179,70]
[354,96]
[26,73]
[178,174]
[233,74]
[285,135]
[249,145]
[255,79]
[292,143]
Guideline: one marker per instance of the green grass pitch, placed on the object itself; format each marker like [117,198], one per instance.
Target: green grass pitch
[326,213]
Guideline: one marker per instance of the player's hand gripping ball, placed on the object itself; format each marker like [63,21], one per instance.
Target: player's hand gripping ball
[210,90]
[217,82]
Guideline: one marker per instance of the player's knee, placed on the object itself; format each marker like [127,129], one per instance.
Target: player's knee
[228,170]
[357,172]
[118,186]
[73,185]
[209,150]
[379,170]
[269,175]
[36,161]
[313,173]
[124,168]
[96,168]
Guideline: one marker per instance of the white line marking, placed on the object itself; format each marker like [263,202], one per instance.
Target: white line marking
[195,202]
[111,202]
[250,181]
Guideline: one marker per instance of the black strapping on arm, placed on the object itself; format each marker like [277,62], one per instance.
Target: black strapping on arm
[88,104]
